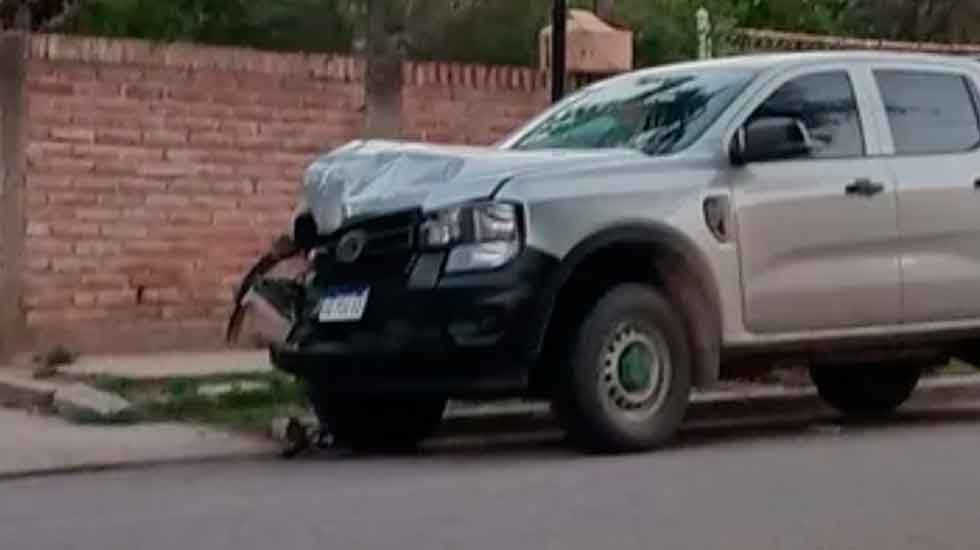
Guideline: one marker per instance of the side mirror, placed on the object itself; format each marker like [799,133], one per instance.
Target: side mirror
[771,138]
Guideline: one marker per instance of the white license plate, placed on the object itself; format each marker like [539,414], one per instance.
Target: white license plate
[344,304]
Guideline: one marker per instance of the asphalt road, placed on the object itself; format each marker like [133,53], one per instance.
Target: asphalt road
[912,483]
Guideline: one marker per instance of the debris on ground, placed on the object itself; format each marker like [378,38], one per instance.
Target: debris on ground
[83,403]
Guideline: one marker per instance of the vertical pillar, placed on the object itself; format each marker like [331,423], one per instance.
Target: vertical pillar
[559,26]
[13,114]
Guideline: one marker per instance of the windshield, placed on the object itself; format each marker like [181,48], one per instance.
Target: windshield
[659,114]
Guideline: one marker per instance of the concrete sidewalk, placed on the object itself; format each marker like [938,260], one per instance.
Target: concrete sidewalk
[33,444]
[170,365]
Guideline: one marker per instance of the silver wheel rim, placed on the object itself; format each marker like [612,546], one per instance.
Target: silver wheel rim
[635,371]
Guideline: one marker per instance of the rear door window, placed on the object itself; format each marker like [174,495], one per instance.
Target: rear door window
[929,113]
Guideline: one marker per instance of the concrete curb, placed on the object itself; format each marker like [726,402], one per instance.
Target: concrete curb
[18,390]
[96,467]
[709,406]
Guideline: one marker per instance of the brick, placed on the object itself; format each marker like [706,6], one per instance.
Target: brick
[44,182]
[172,312]
[115,167]
[232,187]
[232,217]
[122,200]
[113,298]
[50,87]
[119,73]
[233,156]
[104,280]
[97,248]
[148,246]
[189,155]
[162,169]
[239,128]
[124,152]
[45,282]
[46,246]
[261,171]
[122,230]
[190,94]
[97,89]
[191,215]
[168,200]
[279,187]
[39,149]
[259,143]
[215,202]
[82,135]
[84,298]
[98,214]
[142,185]
[64,316]
[36,264]
[59,165]
[74,229]
[37,229]
[165,137]
[50,298]
[211,139]
[75,265]
[210,170]
[192,123]
[170,295]
[97,183]
[71,198]
[143,215]
[118,136]
[150,278]
[143,91]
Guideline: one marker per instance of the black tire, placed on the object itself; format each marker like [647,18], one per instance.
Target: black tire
[378,424]
[868,390]
[598,409]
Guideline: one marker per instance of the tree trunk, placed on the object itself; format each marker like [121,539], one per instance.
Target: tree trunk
[606,9]
[384,28]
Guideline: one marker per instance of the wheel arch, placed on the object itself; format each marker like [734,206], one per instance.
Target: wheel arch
[609,256]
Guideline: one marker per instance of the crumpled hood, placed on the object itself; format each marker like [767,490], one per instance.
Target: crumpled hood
[366,177]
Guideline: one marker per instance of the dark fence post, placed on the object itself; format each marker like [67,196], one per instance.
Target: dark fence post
[13,59]
[558,29]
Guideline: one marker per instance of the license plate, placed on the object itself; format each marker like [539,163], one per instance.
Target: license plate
[344,304]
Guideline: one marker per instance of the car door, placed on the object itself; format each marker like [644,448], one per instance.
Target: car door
[933,149]
[817,233]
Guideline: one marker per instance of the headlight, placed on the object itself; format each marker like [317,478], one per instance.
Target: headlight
[480,236]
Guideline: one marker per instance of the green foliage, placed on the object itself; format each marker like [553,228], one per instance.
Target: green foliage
[311,25]
[499,31]
[178,399]
[506,31]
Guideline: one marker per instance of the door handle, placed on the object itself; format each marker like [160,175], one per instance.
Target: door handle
[864,187]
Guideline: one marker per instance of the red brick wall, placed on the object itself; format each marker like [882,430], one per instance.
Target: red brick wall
[156,174]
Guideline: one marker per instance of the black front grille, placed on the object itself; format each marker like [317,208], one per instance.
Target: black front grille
[387,254]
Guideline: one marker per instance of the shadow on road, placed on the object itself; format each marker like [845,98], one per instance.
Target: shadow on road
[547,442]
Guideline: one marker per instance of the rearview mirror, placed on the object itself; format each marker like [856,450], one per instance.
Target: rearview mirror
[770,138]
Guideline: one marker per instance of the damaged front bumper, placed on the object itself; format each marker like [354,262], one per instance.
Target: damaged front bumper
[266,307]
[468,334]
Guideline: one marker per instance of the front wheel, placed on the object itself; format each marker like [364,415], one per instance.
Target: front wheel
[866,391]
[378,424]
[626,381]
